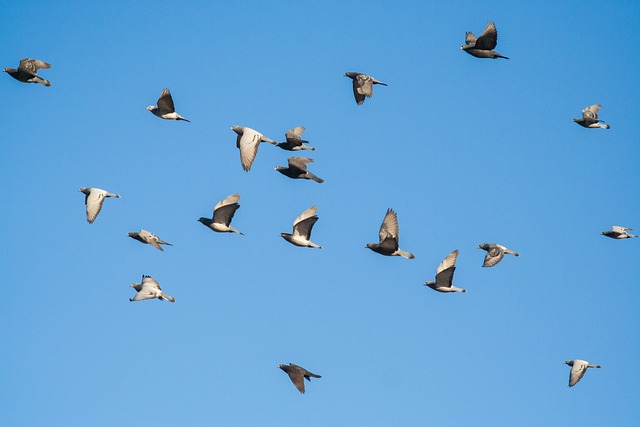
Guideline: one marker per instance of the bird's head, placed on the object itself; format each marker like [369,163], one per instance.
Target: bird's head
[204,220]
[577,120]
[5,70]
[84,190]
[569,362]
[350,74]
[151,108]
[484,246]
[236,129]
[370,245]
[463,47]
[131,234]
[279,168]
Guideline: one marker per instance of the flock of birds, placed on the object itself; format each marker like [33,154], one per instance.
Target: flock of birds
[248,140]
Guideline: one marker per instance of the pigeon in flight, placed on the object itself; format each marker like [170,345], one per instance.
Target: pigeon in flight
[578,369]
[165,109]
[248,141]
[149,289]
[444,275]
[590,118]
[297,374]
[482,47]
[362,86]
[297,169]
[223,214]
[302,229]
[93,199]
[148,238]
[294,141]
[618,232]
[27,71]
[389,238]
[495,253]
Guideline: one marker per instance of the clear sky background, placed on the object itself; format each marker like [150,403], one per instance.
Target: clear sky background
[465,150]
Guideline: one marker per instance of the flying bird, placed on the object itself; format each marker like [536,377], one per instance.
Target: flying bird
[590,118]
[389,238]
[362,86]
[495,253]
[93,200]
[298,374]
[248,141]
[618,232]
[302,229]
[223,214]
[578,369]
[27,71]
[149,289]
[148,238]
[444,275]
[297,169]
[294,141]
[482,47]
[165,109]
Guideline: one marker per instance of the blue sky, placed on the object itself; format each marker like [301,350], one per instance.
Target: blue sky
[465,150]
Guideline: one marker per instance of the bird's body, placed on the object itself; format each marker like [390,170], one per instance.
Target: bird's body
[495,253]
[166,109]
[294,141]
[482,47]
[298,374]
[248,141]
[223,213]
[93,200]
[578,369]
[444,275]
[388,234]
[302,227]
[27,71]
[590,118]
[148,238]
[297,169]
[362,85]
[618,232]
[149,289]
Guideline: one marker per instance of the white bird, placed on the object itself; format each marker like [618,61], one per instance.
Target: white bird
[149,238]
[495,253]
[618,232]
[149,289]
[93,199]
[444,275]
[302,229]
[248,141]
[578,369]
[165,109]
[223,214]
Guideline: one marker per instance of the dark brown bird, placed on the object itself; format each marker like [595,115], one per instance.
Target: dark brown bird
[590,118]
[388,234]
[297,169]
[298,374]
[294,140]
[27,71]
[362,85]
[482,47]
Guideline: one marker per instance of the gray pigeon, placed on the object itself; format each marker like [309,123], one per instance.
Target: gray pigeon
[298,374]
[148,238]
[578,369]
[618,232]
[294,140]
[482,47]
[165,109]
[93,199]
[444,275]
[302,229]
[149,289]
[590,118]
[389,238]
[297,169]
[362,85]
[27,71]
[248,141]
[495,253]
[223,214]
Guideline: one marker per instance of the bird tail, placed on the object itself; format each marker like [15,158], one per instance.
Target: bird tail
[509,251]
[167,297]
[42,81]
[497,55]
[318,376]
[315,178]
[308,147]
[235,231]
[117,196]
[603,125]
[182,118]
[405,254]
[162,242]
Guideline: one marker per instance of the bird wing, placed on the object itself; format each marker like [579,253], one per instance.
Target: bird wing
[32,66]
[224,214]
[248,144]
[150,284]
[577,372]
[470,38]
[298,380]
[94,201]
[445,277]
[365,84]
[619,229]
[489,38]
[294,136]
[144,294]
[449,261]
[494,255]
[165,102]
[154,241]
[389,227]
[299,163]
[304,223]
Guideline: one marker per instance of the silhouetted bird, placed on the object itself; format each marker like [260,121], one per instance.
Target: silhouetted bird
[165,109]
[482,47]
[149,289]
[302,229]
[248,141]
[27,71]
[590,118]
[149,238]
[444,275]
[389,237]
[298,374]
[223,214]
[93,200]
[294,141]
[297,169]
[578,369]
[362,85]
[618,232]
[495,253]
